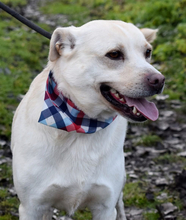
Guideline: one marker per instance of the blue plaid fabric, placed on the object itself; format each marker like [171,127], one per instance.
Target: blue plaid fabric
[61,113]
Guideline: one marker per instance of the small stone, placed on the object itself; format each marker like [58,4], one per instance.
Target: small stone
[167,113]
[150,173]
[170,217]
[172,141]
[175,127]
[55,211]
[161,182]
[2,161]
[162,196]
[166,208]
[182,154]
[134,212]
[127,154]
[134,176]
[2,143]
[161,97]
[176,135]
[140,151]
[158,151]
[176,104]
[12,191]
[163,125]
[179,146]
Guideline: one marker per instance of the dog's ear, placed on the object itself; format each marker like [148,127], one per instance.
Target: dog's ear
[150,34]
[61,38]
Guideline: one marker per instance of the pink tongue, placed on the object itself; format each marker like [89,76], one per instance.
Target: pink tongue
[146,108]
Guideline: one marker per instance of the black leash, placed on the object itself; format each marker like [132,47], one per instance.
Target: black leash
[25,21]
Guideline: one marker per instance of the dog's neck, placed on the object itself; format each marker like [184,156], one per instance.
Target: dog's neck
[61,113]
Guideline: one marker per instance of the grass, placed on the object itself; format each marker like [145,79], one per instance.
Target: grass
[151,216]
[14,3]
[134,196]
[148,140]
[170,158]
[8,204]
[6,171]
[82,215]
[22,56]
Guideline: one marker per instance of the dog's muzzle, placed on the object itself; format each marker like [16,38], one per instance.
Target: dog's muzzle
[136,109]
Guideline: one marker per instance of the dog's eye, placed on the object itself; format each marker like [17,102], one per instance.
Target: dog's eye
[115,55]
[148,53]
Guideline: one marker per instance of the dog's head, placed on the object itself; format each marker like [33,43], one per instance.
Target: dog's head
[104,68]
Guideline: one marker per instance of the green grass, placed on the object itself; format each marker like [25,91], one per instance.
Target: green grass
[151,216]
[148,140]
[134,195]
[8,217]
[14,3]
[170,158]
[22,56]
[83,215]
[76,12]
[6,172]
[8,204]
[57,7]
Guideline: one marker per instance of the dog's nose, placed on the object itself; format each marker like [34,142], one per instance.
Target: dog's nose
[156,81]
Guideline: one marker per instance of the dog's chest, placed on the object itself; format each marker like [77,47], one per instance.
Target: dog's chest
[73,197]
[82,174]
[80,170]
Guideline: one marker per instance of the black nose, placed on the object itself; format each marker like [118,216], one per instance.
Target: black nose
[156,82]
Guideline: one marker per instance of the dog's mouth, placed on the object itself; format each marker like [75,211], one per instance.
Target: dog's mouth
[136,109]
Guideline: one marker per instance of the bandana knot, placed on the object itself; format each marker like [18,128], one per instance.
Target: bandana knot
[61,113]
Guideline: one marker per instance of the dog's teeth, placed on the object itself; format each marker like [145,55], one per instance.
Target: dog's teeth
[117,95]
[113,91]
[138,113]
[135,110]
[122,100]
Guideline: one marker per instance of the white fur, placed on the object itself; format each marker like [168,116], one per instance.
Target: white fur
[54,168]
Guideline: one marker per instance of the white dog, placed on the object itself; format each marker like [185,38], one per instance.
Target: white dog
[68,131]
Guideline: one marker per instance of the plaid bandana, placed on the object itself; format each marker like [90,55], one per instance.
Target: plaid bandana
[60,112]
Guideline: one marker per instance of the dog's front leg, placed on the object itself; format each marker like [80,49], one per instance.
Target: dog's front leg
[26,213]
[120,208]
[35,214]
[104,214]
